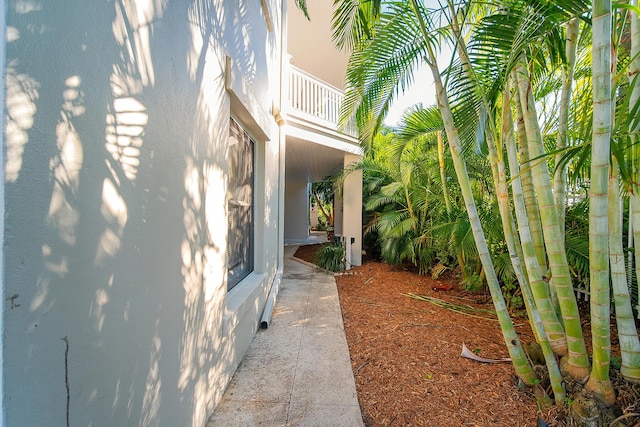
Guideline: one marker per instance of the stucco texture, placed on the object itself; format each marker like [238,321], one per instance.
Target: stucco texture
[116,126]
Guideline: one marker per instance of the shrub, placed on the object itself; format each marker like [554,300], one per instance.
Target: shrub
[331,257]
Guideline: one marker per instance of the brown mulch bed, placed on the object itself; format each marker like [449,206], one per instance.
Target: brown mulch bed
[405,353]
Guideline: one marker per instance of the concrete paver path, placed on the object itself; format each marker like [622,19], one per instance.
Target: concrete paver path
[297,372]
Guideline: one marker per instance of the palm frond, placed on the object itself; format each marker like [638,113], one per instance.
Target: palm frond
[504,268]
[578,253]
[302,5]
[381,68]
[419,121]
[353,22]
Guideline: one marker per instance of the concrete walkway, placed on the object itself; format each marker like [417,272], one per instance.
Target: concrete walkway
[297,372]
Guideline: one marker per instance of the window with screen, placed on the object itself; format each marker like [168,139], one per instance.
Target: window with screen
[240,205]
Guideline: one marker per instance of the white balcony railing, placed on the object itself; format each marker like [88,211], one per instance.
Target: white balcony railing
[314,97]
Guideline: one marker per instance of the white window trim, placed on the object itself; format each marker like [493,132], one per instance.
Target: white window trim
[241,300]
[244,104]
[254,199]
[249,114]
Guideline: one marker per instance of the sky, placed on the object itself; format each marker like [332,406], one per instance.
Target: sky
[423,90]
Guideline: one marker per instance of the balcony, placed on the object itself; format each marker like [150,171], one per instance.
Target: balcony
[314,101]
[317,147]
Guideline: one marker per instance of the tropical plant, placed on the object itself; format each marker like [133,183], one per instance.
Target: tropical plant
[330,256]
[376,68]
[403,203]
[323,193]
[529,60]
[302,5]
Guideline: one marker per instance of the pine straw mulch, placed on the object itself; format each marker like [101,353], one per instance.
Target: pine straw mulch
[405,353]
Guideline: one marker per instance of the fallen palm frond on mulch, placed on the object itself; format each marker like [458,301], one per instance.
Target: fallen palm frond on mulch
[467,310]
[405,354]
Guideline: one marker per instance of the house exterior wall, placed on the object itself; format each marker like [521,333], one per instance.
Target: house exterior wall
[115,218]
[310,43]
[3,33]
[296,210]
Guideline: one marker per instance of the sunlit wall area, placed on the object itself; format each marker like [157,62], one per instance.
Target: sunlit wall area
[117,205]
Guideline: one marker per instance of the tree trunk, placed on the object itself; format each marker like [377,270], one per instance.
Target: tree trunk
[535,225]
[627,332]
[560,176]
[328,217]
[599,383]
[552,326]
[521,364]
[577,363]
[443,178]
[634,76]
[544,322]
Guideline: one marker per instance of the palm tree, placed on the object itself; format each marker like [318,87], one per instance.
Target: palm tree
[403,213]
[323,193]
[623,131]
[519,40]
[599,382]
[634,130]
[577,359]
[549,334]
[531,205]
[631,357]
[418,122]
[402,40]
[405,200]
[560,175]
[496,156]
[577,362]
[630,337]
[421,129]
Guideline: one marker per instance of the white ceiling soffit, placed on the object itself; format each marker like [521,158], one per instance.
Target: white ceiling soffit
[311,162]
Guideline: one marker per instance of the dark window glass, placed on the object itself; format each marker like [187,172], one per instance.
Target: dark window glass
[240,203]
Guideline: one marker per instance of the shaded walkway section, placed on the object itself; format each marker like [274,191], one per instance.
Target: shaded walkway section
[297,372]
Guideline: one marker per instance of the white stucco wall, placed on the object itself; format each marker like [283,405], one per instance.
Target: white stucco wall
[116,133]
[352,211]
[296,210]
[311,46]
[3,33]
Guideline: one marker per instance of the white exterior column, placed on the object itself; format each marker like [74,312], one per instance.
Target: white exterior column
[352,212]
[338,227]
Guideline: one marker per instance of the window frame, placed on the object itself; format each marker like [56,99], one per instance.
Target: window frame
[242,256]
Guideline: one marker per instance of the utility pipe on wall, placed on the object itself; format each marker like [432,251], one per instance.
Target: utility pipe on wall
[284,84]
[271,301]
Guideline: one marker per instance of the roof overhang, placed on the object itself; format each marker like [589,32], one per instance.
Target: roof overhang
[315,150]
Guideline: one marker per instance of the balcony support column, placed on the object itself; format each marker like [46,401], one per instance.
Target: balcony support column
[352,212]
